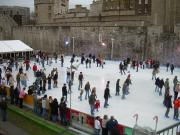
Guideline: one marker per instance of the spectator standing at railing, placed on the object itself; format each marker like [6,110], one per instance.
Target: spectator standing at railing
[16,96]
[104,128]
[3,108]
[54,110]
[97,126]
[62,109]
[21,97]
[35,102]
[44,112]
[11,84]
[112,125]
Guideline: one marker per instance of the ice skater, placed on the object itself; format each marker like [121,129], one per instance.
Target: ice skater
[106,97]
[87,90]
[80,78]
[168,104]
[117,87]
[81,93]
[172,69]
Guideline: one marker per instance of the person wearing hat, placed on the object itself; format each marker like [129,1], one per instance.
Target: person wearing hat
[64,91]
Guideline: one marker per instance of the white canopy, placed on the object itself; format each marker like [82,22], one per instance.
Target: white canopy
[12,46]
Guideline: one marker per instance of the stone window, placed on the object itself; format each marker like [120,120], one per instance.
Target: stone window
[146,1]
[131,4]
[49,15]
[49,7]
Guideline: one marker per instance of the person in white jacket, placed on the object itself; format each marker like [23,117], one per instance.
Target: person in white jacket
[97,126]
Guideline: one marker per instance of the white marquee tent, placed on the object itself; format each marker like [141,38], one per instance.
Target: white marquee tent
[13,46]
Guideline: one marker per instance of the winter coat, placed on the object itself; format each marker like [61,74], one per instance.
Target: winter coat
[49,79]
[172,67]
[87,87]
[64,91]
[166,84]
[106,93]
[167,101]
[80,77]
[92,99]
[111,124]
[62,108]
[21,94]
[54,107]
[124,88]
[128,81]
[117,86]
[157,82]
[161,84]
[176,104]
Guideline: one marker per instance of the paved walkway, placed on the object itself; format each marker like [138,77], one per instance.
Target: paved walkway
[10,129]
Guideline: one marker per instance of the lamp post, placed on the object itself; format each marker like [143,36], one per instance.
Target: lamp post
[73,44]
[112,47]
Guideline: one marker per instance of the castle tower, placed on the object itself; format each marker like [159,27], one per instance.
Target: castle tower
[43,11]
[61,7]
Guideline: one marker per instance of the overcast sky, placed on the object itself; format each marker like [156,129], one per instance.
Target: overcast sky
[30,3]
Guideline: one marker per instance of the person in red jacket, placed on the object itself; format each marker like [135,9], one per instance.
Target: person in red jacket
[176,108]
[34,69]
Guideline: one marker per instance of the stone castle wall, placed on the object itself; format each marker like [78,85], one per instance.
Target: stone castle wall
[135,42]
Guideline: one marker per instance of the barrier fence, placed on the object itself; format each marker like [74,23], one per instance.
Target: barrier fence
[80,120]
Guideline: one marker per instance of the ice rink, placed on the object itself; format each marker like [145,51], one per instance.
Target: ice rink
[142,98]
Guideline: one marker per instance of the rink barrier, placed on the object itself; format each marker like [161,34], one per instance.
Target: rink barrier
[39,121]
[79,120]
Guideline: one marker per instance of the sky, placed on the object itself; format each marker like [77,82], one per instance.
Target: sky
[30,3]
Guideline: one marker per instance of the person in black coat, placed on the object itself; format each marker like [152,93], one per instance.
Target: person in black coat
[111,125]
[157,82]
[62,60]
[168,104]
[54,110]
[87,61]
[161,84]
[172,68]
[16,96]
[117,87]
[106,97]
[64,92]
[167,66]
[62,109]
[3,108]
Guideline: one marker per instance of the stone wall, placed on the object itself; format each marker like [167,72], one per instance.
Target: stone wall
[128,41]
[135,42]
[6,24]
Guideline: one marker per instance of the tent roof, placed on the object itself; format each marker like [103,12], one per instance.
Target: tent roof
[10,46]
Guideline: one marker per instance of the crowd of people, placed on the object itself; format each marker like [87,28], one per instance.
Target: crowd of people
[50,109]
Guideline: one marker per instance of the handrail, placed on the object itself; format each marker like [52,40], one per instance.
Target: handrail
[168,128]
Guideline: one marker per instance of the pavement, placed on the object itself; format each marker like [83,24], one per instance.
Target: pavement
[7,128]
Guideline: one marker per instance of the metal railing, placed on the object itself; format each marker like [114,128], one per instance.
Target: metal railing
[171,130]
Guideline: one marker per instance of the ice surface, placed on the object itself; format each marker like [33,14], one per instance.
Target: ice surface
[142,98]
